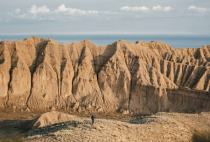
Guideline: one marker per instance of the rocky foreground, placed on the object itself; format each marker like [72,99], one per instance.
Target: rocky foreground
[162,127]
[57,126]
[143,77]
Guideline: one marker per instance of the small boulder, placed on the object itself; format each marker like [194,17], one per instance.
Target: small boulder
[52,117]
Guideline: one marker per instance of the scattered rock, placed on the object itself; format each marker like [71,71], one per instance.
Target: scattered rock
[52,117]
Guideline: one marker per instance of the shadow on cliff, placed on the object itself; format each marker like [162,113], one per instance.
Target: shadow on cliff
[100,61]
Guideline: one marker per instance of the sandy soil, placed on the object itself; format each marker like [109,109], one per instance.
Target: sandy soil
[161,127]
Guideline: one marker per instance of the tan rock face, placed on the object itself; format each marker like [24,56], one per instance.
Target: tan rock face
[142,77]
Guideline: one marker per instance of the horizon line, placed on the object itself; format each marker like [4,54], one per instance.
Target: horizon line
[35,34]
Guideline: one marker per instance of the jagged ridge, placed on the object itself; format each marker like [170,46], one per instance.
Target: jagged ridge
[39,74]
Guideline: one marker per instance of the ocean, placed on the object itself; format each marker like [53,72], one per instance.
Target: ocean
[177,41]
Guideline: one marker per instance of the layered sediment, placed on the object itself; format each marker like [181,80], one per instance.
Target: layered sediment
[143,77]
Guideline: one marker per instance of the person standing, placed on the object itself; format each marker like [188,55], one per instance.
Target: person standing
[92,119]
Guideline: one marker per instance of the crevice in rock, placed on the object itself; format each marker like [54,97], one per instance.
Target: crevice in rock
[101,60]
[39,59]
[62,68]
[124,49]
[82,56]
[184,68]
[171,57]
[134,66]
[167,56]
[168,69]
[14,61]
[188,74]
[206,63]
[2,59]
[177,72]
[197,54]
[199,74]
[58,85]
[151,69]
[206,84]
[63,65]
[97,78]
[162,66]
[100,89]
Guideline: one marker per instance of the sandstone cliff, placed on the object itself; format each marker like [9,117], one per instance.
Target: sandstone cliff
[143,77]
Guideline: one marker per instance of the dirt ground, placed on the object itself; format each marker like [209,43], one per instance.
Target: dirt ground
[161,127]
[12,125]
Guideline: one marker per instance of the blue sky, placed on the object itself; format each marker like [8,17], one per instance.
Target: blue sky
[105,16]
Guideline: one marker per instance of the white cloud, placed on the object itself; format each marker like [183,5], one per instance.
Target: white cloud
[145,8]
[162,8]
[39,9]
[74,11]
[61,8]
[18,10]
[44,13]
[135,8]
[198,9]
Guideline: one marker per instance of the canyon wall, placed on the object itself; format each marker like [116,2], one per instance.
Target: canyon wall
[143,77]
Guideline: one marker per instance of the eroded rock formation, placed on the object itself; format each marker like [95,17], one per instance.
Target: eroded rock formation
[142,77]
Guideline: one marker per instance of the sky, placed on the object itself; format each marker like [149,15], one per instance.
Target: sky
[105,17]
